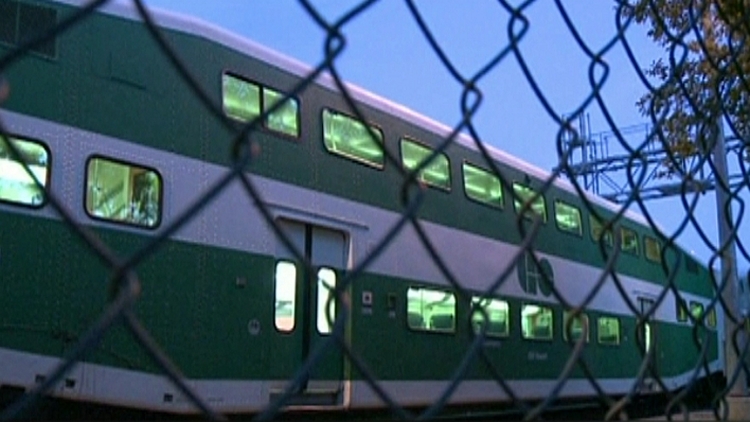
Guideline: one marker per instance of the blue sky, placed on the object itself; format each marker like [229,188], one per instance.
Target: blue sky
[387,54]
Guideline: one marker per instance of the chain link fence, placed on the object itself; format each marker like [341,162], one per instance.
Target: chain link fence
[689,36]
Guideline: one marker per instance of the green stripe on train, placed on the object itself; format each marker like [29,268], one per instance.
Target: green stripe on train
[194,306]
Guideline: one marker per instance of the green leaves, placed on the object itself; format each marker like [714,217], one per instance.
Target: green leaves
[703,76]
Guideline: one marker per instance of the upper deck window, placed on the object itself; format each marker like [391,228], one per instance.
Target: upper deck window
[348,137]
[524,194]
[596,231]
[652,248]
[285,118]
[244,101]
[482,186]
[22,22]
[629,241]
[16,184]
[568,217]
[437,171]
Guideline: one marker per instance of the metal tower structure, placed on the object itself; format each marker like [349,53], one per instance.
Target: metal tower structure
[620,163]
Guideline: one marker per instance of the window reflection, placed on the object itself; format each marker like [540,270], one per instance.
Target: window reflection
[16,184]
[123,192]
[285,288]
[431,310]
[326,301]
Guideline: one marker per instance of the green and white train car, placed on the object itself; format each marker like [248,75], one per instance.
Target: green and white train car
[107,125]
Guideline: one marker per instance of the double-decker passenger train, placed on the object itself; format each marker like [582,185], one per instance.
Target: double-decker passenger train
[105,123]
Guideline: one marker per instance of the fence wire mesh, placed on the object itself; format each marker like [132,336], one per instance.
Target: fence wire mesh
[707,38]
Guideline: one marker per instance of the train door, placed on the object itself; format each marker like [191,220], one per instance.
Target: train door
[304,313]
[645,305]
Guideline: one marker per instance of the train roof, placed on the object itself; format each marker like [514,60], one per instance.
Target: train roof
[199,27]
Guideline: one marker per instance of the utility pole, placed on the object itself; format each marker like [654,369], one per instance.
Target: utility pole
[735,294]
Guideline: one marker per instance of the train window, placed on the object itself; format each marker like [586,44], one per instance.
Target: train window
[241,98]
[244,100]
[579,326]
[523,194]
[326,303]
[629,241]
[568,217]
[435,173]
[17,186]
[20,22]
[285,119]
[348,137]
[596,231]
[608,330]
[496,311]
[646,305]
[536,322]
[482,186]
[431,310]
[711,318]
[696,310]
[652,247]
[285,286]
[123,192]
[8,11]
[682,312]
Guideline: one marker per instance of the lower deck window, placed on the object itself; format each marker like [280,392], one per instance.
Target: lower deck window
[536,322]
[696,310]
[609,330]
[16,183]
[326,302]
[123,193]
[682,313]
[575,326]
[431,310]
[285,290]
[495,316]
[711,318]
